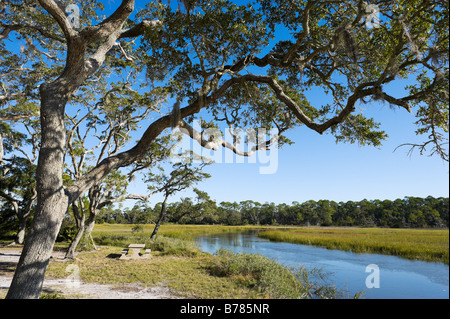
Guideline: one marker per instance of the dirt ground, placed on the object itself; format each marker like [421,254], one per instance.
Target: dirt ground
[78,290]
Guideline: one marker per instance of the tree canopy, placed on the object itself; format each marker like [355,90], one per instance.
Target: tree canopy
[409,212]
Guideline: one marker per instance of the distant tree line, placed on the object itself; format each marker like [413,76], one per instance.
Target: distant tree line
[409,212]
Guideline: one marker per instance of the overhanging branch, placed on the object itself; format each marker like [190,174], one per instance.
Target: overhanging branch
[59,15]
[215,144]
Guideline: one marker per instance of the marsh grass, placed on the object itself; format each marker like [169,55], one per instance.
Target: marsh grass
[164,245]
[169,230]
[171,239]
[204,276]
[175,263]
[420,244]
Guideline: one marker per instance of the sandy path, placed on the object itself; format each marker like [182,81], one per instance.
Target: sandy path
[74,289]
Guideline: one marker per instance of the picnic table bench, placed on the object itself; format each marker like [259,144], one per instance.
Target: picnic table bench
[135,248]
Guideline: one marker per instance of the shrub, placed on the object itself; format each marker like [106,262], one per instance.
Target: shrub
[272,278]
[67,232]
[85,243]
[112,240]
[137,228]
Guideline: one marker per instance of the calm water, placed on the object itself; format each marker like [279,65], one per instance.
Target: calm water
[398,277]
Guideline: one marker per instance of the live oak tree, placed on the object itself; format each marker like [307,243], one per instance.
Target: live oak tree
[18,191]
[227,61]
[85,209]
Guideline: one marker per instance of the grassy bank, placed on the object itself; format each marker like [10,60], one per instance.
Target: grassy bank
[185,276]
[421,244]
[178,265]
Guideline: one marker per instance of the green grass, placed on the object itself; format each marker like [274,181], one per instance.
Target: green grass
[273,279]
[420,244]
[177,263]
[181,237]
[185,276]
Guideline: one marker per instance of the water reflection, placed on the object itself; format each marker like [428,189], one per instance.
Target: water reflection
[399,278]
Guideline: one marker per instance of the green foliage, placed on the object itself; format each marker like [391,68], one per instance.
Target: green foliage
[174,246]
[85,243]
[52,295]
[366,130]
[18,178]
[67,232]
[182,176]
[217,32]
[251,64]
[420,244]
[137,228]
[271,278]
[185,277]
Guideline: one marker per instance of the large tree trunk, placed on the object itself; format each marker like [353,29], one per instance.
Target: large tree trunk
[52,202]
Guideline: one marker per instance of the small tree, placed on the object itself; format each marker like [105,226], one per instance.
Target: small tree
[183,176]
